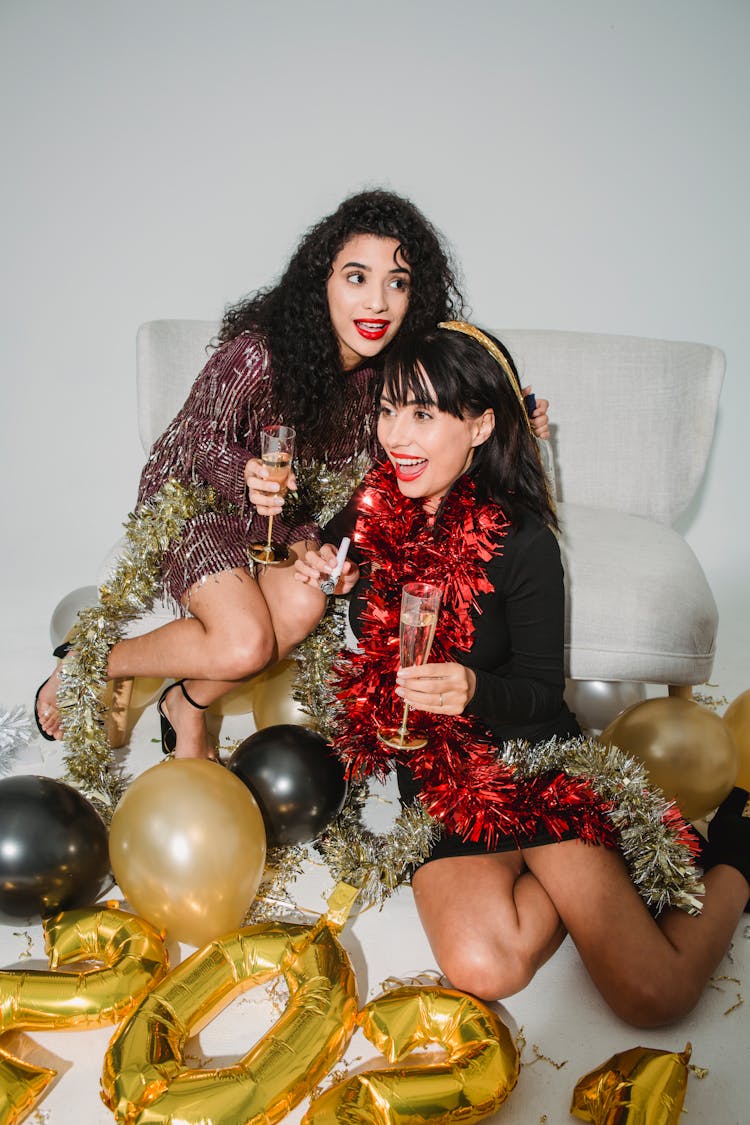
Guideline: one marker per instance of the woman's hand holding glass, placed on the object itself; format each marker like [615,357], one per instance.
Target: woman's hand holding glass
[317,564]
[266,495]
[443,689]
[277,451]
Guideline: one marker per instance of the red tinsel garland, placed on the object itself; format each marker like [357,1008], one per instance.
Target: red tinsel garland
[463,782]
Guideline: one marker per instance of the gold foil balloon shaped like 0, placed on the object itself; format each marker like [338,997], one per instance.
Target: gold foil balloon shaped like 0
[687,750]
[144,1077]
[188,847]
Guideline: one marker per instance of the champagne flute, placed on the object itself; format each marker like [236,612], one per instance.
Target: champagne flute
[420,603]
[276,451]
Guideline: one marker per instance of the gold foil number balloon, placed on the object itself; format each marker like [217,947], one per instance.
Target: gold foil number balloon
[20,1086]
[641,1086]
[187,847]
[480,1070]
[145,1078]
[686,749]
[134,957]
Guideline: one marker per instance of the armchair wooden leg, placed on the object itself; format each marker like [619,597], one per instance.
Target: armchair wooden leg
[116,723]
[682,691]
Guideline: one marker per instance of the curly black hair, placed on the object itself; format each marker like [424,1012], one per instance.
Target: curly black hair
[465,380]
[293,314]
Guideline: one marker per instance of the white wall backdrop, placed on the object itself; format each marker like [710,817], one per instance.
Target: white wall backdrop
[589,162]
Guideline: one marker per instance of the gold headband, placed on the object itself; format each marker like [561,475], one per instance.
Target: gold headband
[491,347]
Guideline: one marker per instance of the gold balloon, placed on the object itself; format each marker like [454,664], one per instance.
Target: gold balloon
[144,1077]
[130,948]
[21,1084]
[145,690]
[687,750]
[187,847]
[640,1085]
[238,701]
[737,718]
[479,1072]
[273,702]
[135,959]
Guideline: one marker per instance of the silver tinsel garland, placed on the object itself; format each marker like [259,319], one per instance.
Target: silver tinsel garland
[15,734]
[376,863]
[659,863]
[129,592]
[322,491]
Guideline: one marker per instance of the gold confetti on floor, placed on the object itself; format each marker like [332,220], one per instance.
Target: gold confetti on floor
[734,1007]
[428,978]
[29,943]
[710,701]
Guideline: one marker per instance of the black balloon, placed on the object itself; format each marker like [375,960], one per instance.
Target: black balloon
[296,779]
[53,848]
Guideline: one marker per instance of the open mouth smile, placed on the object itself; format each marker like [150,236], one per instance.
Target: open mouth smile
[409,468]
[372,329]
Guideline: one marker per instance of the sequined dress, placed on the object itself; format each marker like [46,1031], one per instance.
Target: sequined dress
[214,435]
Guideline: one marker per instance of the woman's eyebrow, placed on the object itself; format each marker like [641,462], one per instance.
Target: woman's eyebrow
[362,266]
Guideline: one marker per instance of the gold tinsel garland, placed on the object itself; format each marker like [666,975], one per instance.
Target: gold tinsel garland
[127,594]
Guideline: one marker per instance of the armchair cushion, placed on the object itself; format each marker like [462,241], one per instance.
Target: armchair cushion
[638,605]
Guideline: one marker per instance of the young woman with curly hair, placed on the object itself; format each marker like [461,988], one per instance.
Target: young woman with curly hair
[301,353]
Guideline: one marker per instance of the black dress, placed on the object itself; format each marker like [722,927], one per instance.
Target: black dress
[517,654]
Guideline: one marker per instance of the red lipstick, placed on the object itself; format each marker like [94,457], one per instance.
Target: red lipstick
[408,472]
[374,329]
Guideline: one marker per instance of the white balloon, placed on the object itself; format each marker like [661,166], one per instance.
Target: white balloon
[66,611]
[596,703]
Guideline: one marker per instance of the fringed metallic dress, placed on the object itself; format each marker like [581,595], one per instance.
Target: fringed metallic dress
[214,435]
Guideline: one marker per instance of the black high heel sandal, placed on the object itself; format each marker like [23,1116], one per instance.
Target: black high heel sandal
[168,733]
[59,653]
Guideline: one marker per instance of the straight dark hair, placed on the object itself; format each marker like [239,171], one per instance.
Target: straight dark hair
[465,380]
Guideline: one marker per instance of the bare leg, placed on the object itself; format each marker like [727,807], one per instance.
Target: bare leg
[649,971]
[489,922]
[293,609]
[231,636]
[228,638]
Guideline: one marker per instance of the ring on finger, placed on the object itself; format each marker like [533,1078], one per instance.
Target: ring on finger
[441,699]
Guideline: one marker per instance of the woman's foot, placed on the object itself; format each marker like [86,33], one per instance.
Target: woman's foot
[183,724]
[46,711]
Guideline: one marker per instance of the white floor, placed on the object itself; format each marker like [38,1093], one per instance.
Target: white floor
[567,1030]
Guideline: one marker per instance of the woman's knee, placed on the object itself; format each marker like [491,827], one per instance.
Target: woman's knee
[242,651]
[489,971]
[296,615]
[646,1000]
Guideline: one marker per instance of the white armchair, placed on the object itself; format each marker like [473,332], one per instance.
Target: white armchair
[633,420]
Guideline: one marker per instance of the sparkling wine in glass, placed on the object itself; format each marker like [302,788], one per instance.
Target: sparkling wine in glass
[420,603]
[276,451]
